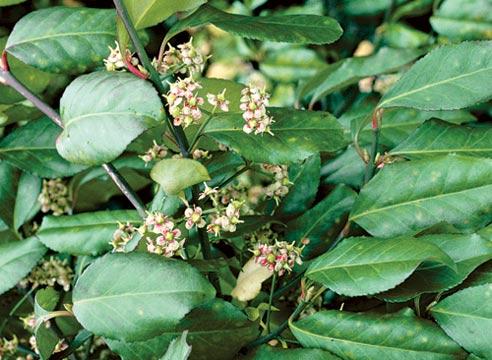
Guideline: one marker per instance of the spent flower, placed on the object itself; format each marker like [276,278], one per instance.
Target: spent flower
[185,59]
[155,152]
[122,236]
[50,272]
[55,197]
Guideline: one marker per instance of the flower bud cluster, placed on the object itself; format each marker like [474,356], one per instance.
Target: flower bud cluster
[155,152]
[122,236]
[280,187]
[253,104]
[219,100]
[60,346]
[166,239]
[183,103]
[279,257]
[226,220]
[200,154]
[29,322]
[55,197]
[184,59]
[50,272]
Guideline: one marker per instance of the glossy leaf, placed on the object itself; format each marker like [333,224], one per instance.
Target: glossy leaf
[482,275]
[117,107]
[467,251]
[136,296]
[304,178]
[463,72]
[175,175]
[464,20]
[466,316]
[347,168]
[349,71]
[9,177]
[178,349]
[217,328]
[84,234]
[402,36]
[297,135]
[407,197]
[437,138]
[365,7]
[365,266]
[316,223]
[148,13]
[32,149]
[34,79]
[368,336]
[63,39]
[303,29]
[45,301]
[17,258]
[267,352]
[26,202]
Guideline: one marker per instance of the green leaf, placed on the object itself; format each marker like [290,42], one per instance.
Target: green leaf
[34,79]
[368,336]
[267,352]
[466,316]
[407,197]
[217,328]
[146,13]
[464,20]
[63,39]
[291,64]
[215,86]
[304,178]
[297,135]
[467,251]
[26,202]
[46,341]
[117,107]
[175,175]
[349,71]
[402,36]
[136,296]
[365,266]
[316,223]
[178,349]
[84,234]
[302,29]
[482,275]
[463,72]
[366,7]
[45,301]
[10,2]
[437,137]
[32,149]
[17,258]
[9,177]
[347,168]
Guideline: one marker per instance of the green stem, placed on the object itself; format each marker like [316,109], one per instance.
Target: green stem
[374,149]
[199,132]
[264,339]
[270,301]
[233,176]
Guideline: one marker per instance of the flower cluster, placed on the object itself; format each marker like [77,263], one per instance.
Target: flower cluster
[50,272]
[226,220]
[280,257]
[168,241]
[116,61]
[219,100]
[200,154]
[194,217]
[253,104]
[122,236]
[183,103]
[155,152]
[8,347]
[60,346]
[280,187]
[55,197]
[184,59]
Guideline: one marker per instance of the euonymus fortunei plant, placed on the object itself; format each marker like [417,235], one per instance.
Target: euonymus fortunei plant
[246,179]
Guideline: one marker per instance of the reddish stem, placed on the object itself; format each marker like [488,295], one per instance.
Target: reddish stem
[135,70]
[4,64]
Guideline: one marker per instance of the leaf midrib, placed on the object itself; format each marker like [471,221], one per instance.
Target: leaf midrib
[428,86]
[430,151]
[384,208]
[48,37]
[457,314]
[77,118]
[160,292]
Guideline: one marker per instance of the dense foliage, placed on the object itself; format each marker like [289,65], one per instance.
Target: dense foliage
[246,179]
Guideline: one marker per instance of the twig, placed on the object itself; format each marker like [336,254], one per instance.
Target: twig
[270,301]
[9,79]
[376,125]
